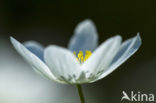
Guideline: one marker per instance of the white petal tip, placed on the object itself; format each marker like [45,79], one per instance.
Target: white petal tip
[138,39]
[118,37]
[138,36]
[13,40]
[86,23]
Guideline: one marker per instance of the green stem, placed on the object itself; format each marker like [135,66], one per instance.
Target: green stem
[79,88]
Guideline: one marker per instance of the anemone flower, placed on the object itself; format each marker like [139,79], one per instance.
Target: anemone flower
[83,61]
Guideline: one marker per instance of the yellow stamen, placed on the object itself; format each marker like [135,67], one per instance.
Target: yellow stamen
[74,53]
[80,57]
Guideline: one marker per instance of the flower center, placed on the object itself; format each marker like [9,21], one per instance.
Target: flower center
[82,58]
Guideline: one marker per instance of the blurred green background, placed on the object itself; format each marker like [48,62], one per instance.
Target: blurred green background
[53,22]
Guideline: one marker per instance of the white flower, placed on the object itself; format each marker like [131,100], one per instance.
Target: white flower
[61,65]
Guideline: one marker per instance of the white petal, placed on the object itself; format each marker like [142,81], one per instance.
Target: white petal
[85,37]
[33,60]
[127,49]
[62,63]
[102,57]
[35,47]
